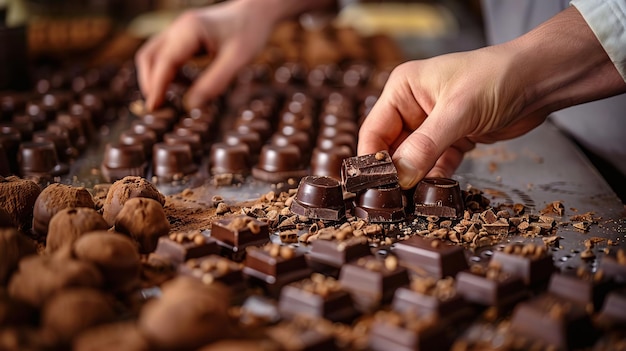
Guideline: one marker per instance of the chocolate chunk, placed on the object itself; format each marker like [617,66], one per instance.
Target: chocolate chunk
[146,139]
[613,313]
[438,197]
[179,247]
[614,266]
[54,198]
[395,331]
[191,139]
[384,204]
[558,323]
[368,171]
[532,263]
[491,288]
[274,266]
[69,224]
[61,141]
[144,220]
[371,281]
[334,254]
[240,231]
[317,297]
[319,198]
[431,257]
[114,254]
[172,161]
[123,160]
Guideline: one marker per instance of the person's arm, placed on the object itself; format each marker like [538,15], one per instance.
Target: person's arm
[235,30]
[433,111]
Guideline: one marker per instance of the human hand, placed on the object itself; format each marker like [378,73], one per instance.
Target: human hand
[433,111]
[234,30]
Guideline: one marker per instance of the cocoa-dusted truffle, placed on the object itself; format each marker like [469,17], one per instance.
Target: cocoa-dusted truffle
[114,254]
[72,311]
[13,312]
[54,198]
[144,220]
[124,189]
[69,224]
[5,219]
[13,246]
[189,314]
[40,277]
[17,198]
[114,336]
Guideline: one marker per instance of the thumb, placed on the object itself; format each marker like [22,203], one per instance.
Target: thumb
[217,77]
[419,152]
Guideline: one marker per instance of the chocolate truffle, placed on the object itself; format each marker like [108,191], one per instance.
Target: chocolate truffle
[54,198]
[14,312]
[40,277]
[144,220]
[74,310]
[124,189]
[13,246]
[5,219]
[69,224]
[17,198]
[188,315]
[114,336]
[113,254]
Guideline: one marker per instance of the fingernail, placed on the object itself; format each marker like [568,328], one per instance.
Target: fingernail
[407,173]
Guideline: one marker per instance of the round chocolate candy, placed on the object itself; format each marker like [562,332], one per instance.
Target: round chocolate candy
[259,125]
[191,139]
[172,161]
[61,142]
[74,126]
[300,121]
[252,140]
[438,197]
[123,160]
[200,127]
[231,159]
[342,139]
[297,138]
[319,197]
[384,204]
[279,163]
[158,127]
[40,160]
[327,162]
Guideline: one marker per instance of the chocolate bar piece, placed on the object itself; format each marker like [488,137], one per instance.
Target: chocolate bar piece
[332,254]
[368,171]
[615,266]
[214,268]
[179,247]
[613,313]
[583,288]
[556,322]
[490,287]
[431,257]
[428,296]
[236,233]
[371,281]
[531,262]
[318,297]
[405,332]
[274,266]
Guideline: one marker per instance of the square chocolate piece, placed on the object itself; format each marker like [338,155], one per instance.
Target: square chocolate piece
[431,257]
[273,266]
[533,263]
[368,171]
[588,290]
[411,333]
[179,247]
[335,253]
[241,231]
[490,288]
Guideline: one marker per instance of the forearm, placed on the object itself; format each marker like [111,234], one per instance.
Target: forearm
[561,63]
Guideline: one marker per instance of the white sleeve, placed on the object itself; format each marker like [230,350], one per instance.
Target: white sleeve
[607,19]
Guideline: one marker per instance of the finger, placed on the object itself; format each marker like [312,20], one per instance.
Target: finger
[215,79]
[144,61]
[417,154]
[451,158]
[163,73]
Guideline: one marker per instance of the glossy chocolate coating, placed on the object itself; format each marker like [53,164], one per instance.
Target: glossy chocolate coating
[319,197]
[61,141]
[172,160]
[368,171]
[229,159]
[439,197]
[385,204]
[335,253]
[533,269]
[297,138]
[40,160]
[272,272]
[159,128]
[586,291]
[146,139]
[74,126]
[259,125]
[328,162]
[500,292]
[123,160]
[431,257]
[10,140]
[200,127]
[252,139]
[279,163]
[333,303]
[193,140]
[451,307]
[186,247]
